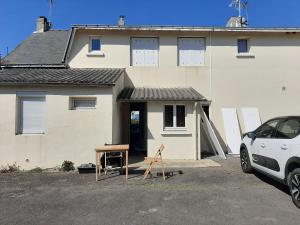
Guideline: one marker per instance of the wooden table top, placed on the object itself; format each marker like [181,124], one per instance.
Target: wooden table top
[112,148]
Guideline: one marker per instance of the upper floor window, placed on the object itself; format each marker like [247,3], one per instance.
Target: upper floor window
[95,44]
[242,45]
[144,51]
[191,51]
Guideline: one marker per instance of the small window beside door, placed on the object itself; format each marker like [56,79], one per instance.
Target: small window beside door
[174,116]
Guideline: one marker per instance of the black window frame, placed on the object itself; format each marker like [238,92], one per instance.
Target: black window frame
[174,118]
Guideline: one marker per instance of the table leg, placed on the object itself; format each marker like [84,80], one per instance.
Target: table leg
[105,165]
[97,166]
[126,165]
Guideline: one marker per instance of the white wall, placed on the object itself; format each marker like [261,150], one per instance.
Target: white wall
[69,135]
[225,79]
[178,145]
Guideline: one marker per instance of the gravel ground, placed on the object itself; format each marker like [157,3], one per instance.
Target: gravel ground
[218,195]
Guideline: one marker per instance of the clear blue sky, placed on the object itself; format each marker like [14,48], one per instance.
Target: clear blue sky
[17,17]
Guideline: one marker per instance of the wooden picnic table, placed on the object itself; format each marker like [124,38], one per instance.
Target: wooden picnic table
[109,149]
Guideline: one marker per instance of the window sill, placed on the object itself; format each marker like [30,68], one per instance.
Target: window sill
[187,66]
[245,55]
[95,54]
[30,134]
[83,108]
[175,131]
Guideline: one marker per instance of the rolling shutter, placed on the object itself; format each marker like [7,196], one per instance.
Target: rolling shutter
[191,51]
[144,51]
[32,115]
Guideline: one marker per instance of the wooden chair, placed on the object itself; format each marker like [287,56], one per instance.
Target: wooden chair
[156,159]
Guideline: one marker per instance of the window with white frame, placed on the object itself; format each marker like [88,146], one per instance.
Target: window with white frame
[95,44]
[31,115]
[242,46]
[191,51]
[82,103]
[174,116]
[144,51]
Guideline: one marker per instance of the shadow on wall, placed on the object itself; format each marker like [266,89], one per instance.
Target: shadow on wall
[220,139]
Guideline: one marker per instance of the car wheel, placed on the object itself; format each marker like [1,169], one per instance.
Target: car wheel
[245,161]
[294,185]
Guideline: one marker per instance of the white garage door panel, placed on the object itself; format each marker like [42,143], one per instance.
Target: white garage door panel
[232,130]
[251,118]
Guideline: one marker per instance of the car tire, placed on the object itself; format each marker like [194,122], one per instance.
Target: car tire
[294,186]
[245,161]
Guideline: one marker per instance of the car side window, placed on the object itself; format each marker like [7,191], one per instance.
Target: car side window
[288,129]
[267,130]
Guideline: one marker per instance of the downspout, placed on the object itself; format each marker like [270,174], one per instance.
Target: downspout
[210,65]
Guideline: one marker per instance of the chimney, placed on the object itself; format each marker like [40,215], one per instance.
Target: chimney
[236,22]
[121,22]
[42,24]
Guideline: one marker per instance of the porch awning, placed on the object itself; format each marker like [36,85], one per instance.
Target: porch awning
[159,94]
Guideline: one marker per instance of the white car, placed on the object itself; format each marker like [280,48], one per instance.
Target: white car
[274,149]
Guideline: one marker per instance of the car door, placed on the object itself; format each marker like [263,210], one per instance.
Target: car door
[263,143]
[282,146]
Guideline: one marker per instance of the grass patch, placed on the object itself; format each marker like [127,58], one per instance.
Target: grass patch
[36,170]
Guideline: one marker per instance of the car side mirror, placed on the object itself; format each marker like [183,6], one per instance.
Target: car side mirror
[251,135]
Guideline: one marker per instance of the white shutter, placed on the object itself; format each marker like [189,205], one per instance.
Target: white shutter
[191,51]
[32,115]
[144,51]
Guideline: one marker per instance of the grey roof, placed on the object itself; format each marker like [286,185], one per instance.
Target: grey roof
[87,77]
[159,94]
[46,48]
[186,28]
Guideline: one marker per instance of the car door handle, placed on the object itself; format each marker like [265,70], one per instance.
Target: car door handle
[284,147]
[263,145]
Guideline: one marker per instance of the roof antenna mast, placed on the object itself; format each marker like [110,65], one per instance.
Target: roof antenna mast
[239,5]
[50,3]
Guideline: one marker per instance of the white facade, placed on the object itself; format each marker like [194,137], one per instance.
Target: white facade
[266,78]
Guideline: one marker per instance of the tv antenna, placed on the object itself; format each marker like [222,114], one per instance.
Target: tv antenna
[50,3]
[241,5]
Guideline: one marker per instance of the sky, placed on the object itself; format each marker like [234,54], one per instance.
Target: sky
[18,17]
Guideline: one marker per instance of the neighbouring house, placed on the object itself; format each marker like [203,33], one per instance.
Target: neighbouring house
[64,92]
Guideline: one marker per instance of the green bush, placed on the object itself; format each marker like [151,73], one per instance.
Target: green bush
[67,166]
[36,170]
[10,168]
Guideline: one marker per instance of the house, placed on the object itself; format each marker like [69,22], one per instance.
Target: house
[65,92]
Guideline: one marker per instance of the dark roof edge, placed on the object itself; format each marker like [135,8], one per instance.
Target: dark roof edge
[57,84]
[33,66]
[186,28]
[68,45]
